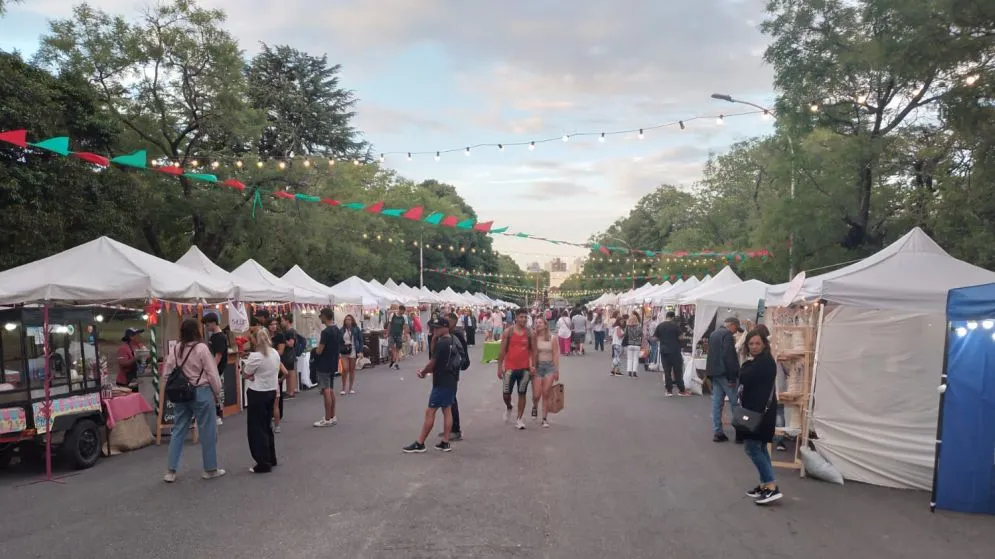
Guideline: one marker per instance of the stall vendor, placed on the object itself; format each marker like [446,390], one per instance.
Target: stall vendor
[127,362]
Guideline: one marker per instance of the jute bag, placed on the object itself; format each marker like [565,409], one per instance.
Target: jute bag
[555,398]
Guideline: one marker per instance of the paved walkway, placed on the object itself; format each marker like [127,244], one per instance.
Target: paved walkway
[623,472]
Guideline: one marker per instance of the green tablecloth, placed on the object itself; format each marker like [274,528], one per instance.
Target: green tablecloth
[491,352]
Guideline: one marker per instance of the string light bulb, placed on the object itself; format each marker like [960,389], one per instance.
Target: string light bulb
[355,162]
[500,147]
[331,162]
[215,164]
[972,79]
[641,135]
[194,163]
[307,162]
[437,156]
[281,165]
[565,138]
[681,124]
[814,107]
[532,146]
[602,138]
[721,120]
[238,163]
[259,164]
[382,158]
[765,115]
[467,152]
[409,156]
[862,99]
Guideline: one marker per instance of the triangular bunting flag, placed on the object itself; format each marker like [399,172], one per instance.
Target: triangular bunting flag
[284,195]
[435,218]
[449,221]
[414,213]
[17,137]
[375,208]
[393,213]
[307,198]
[98,160]
[171,170]
[484,227]
[499,230]
[203,177]
[58,145]
[523,235]
[234,184]
[465,224]
[137,159]
[355,206]
[330,202]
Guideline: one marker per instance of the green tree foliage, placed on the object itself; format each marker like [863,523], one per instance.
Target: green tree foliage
[174,82]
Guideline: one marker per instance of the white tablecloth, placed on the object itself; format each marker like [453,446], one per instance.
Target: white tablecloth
[304,370]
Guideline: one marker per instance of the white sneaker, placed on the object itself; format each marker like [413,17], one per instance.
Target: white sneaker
[352,392]
[326,422]
[520,425]
[342,393]
[276,428]
[507,416]
[170,477]
[220,421]
[213,475]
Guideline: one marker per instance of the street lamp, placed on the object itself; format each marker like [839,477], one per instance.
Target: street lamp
[629,247]
[791,148]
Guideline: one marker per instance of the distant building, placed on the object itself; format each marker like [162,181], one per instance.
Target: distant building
[534,267]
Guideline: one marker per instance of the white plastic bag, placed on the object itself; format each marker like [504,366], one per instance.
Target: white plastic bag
[692,382]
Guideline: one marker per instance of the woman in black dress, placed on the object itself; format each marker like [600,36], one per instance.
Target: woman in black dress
[757,377]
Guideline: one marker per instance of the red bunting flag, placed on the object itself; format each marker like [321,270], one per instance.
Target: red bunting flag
[234,184]
[375,208]
[330,202]
[450,221]
[98,160]
[285,195]
[604,250]
[414,213]
[483,227]
[171,170]
[17,137]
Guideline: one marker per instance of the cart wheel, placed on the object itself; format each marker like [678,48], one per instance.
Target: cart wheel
[82,445]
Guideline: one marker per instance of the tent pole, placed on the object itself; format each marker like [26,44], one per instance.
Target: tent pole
[807,420]
[939,417]
[48,395]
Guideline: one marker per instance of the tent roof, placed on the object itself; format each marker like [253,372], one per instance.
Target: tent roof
[245,290]
[672,295]
[913,273]
[299,278]
[253,271]
[972,303]
[105,270]
[743,295]
[722,280]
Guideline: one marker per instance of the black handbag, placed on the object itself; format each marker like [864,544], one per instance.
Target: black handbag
[346,349]
[178,387]
[749,420]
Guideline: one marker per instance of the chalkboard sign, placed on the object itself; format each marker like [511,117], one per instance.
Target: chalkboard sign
[229,386]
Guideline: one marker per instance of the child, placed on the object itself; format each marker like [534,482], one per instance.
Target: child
[445,377]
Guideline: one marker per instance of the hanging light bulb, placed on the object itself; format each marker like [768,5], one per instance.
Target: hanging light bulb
[281,165]
[381,158]
[814,107]
[409,156]
[437,156]
[467,152]
[988,324]
[862,99]
[961,331]
[721,120]
[602,138]
[500,147]
[307,162]
[259,164]
[238,163]
[972,79]
[972,325]
[565,138]
[641,135]
[194,163]
[215,164]
[331,162]
[532,146]
[681,124]
[355,161]
[765,115]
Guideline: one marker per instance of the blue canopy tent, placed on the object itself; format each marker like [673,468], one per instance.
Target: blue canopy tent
[964,472]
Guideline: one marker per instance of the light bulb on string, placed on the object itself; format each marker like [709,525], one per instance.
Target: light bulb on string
[532,146]
[238,163]
[355,162]
[862,99]
[961,331]
[382,158]
[437,156]
[988,324]
[972,79]
[681,124]
[215,164]
[259,164]
[641,135]
[194,163]
[307,162]
[602,138]
[765,115]
[331,162]
[467,152]
[565,138]
[972,325]
[281,165]
[500,147]
[814,107]
[409,156]
[721,120]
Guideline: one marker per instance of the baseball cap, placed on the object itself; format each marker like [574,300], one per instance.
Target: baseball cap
[210,318]
[130,333]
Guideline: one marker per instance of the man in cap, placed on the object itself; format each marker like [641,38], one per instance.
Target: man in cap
[445,377]
[722,366]
[127,363]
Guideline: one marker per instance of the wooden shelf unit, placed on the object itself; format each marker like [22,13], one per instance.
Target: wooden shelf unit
[793,339]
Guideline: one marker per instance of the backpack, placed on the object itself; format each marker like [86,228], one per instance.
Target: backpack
[178,387]
[460,345]
[456,357]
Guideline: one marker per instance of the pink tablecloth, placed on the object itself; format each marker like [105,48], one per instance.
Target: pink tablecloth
[124,407]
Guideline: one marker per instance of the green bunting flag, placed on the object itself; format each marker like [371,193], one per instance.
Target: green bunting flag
[354,206]
[58,145]
[307,198]
[465,224]
[393,213]
[203,177]
[434,218]
[499,230]
[138,159]
[257,200]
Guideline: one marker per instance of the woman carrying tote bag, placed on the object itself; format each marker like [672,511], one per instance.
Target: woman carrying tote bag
[756,416]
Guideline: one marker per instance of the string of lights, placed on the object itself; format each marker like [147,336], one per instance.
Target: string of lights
[457,247]
[216,161]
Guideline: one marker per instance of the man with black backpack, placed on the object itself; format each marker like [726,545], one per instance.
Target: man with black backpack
[459,344]
[445,366]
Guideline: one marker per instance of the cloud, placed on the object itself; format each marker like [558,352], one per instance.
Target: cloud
[551,189]
[634,177]
[378,119]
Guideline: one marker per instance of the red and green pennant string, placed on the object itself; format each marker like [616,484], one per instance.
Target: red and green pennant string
[139,160]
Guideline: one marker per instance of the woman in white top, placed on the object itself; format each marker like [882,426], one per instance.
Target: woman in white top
[618,332]
[564,329]
[261,373]
[547,358]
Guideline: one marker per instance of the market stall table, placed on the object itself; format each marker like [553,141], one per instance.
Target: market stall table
[491,352]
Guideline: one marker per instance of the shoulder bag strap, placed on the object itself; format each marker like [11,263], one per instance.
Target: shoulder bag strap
[770,400]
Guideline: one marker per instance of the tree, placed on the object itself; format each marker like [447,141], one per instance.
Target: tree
[174,80]
[307,111]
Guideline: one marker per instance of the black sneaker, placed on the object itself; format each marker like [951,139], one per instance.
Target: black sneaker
[454,436]
[755,493]
[535,413]
[443,446]
[414,447]
[635,374]
[769,496]
[720,438]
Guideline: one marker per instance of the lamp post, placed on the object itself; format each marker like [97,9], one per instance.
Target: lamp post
[791,148]
[629,248]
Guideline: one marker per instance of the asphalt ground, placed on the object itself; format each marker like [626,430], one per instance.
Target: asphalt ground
[623,472]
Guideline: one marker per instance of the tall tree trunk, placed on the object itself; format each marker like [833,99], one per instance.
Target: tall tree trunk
[857,231]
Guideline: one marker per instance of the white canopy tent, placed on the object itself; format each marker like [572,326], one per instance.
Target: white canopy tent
[725,278]
[672,295]
[879,358]
[250,270]
[245,290]
[740,300]
[389,295]
[104,270]
[297,277]
[355,289]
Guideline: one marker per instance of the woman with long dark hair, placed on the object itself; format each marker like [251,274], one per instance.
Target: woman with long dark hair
[352,342]
[261,373]
[757,378]
[194,360]
[547,359]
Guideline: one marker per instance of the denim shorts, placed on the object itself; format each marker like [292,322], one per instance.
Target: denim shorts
[545,369]
[441,397]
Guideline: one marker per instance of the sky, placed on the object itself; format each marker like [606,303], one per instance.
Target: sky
[436,75]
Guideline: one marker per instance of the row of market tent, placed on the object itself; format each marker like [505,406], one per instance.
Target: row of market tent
[105,270]
[883,346]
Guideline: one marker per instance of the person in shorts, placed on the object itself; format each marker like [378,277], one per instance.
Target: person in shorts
[396,328]
[516,365]
[444,381]
[579,331]
[326,364]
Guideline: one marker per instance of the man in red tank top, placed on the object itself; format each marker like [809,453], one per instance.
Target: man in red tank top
[515,364]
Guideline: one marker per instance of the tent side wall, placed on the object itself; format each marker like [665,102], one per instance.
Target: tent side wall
[875,395]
